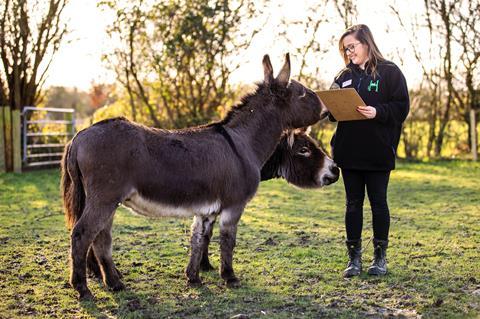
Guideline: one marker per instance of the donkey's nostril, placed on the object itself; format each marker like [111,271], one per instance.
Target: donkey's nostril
[327,180]
[334,169]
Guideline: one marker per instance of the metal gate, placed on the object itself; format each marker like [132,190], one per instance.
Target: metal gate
[45,133]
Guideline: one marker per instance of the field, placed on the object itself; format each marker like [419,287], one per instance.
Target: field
[289,257]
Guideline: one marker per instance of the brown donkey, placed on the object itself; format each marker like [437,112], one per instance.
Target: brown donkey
[203,172]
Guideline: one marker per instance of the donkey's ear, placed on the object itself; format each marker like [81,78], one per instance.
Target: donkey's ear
[284,75]
[306,130]
[267,69]
[291,138]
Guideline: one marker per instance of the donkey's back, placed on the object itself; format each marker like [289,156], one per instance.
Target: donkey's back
[182,172]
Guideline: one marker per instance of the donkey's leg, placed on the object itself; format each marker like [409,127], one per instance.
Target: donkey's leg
[93,220]
[93,268]
[102,246]
[228,232]
[196,245]
[205,262]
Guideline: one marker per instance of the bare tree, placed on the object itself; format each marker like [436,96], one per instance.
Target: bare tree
[467,36]
[3,91]
[444,10]
[347,10]
[437,84]
[312,27]
[27,46]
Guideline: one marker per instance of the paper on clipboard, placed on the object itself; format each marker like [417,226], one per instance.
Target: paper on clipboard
[342,103]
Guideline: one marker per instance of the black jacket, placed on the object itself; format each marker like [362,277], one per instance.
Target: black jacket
[372,144]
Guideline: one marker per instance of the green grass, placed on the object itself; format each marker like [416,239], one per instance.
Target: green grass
[289,256]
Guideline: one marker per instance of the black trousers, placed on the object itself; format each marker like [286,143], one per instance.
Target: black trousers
[376,183]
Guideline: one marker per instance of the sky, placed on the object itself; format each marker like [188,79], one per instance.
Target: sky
[78,62]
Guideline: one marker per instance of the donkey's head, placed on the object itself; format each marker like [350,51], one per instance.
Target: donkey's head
[301,162]
[298,105]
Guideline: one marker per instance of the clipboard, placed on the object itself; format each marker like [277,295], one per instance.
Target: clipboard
[342,103]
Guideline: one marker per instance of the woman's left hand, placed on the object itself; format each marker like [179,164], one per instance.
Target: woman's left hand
[368,111]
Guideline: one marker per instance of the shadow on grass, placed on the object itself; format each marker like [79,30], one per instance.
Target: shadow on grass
[248,300]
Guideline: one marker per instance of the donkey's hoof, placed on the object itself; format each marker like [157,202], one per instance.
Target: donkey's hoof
[86,296]
[206,267]
[119,274]
[194,283]
[119,286]
[233,283]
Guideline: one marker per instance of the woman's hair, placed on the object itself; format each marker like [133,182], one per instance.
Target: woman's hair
[363,34]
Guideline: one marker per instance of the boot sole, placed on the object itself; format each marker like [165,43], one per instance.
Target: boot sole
[376,272]
[351,274]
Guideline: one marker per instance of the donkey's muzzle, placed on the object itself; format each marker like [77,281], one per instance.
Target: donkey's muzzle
[332,176]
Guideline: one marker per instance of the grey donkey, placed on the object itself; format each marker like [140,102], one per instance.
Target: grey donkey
[208,172]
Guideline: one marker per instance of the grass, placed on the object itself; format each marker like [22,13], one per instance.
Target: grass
[289,255]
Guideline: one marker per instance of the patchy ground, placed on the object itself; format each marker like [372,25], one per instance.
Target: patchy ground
[290,254]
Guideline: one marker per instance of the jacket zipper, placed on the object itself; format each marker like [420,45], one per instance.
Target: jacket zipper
[359,83]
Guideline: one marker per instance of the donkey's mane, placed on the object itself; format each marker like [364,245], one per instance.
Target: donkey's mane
[112,119]
[247,102]
[238,108]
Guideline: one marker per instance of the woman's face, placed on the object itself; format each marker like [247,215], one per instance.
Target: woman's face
[357,52]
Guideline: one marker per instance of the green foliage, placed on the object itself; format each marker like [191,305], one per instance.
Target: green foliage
[175,56]
[415,132]
[118,108]
[289,256]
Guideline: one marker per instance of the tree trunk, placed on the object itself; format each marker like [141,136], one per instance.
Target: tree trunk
[432,121]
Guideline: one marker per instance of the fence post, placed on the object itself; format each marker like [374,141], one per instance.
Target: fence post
[473,134]
[70,128]
[2,142]
[16,141]
[7,116]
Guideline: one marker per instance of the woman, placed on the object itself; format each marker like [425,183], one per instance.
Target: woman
[365,150]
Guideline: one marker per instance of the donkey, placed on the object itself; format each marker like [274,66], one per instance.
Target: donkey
[205,172]
[297,158]
[300,161]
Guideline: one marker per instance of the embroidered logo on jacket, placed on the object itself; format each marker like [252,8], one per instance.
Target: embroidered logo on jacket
[373,85]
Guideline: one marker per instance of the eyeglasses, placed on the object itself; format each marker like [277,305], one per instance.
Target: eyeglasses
[350,48]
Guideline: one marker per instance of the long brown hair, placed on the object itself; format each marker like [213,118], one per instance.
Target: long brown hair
[363,34]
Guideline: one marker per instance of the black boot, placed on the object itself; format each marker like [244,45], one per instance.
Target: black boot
[354,267]
[379,264]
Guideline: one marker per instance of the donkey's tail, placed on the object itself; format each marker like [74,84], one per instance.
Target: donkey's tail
[72,190]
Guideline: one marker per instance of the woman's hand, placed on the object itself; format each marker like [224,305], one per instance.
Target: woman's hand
[368,111]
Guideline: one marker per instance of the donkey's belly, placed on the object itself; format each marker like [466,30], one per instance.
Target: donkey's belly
[147,207]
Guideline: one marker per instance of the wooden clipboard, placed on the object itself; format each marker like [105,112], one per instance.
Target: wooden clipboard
[342,103]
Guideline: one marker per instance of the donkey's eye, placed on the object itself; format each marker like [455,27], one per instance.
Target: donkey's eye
[304,151]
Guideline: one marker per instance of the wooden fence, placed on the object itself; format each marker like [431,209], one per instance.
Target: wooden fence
[10,140]
[24,142]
